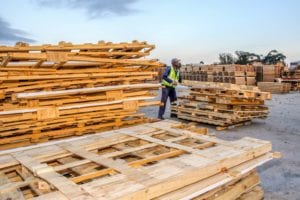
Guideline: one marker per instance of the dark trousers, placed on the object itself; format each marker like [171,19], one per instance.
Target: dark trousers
[166,93]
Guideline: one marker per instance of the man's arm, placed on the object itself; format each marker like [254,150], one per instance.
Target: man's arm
[166,74]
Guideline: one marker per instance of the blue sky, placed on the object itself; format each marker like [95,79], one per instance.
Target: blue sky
[192,30]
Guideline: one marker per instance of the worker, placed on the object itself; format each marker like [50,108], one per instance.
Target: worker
[170,80]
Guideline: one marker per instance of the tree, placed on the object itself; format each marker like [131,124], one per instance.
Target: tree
[244,58]
[273,57]
[226,58]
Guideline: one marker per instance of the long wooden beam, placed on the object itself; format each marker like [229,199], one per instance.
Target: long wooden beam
[43,94]
[68,47]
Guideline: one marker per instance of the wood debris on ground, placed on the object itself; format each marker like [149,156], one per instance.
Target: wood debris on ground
[221,104]
[161,160]
[54,91]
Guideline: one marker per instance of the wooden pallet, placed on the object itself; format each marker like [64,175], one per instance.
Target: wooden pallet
[161,160]
[295,83]
[235,74]
[274,87]
[54,91]
[224,105]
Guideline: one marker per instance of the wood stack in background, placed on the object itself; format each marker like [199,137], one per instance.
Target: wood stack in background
[274,87]
[292,76]
[162,160]
[236,74]
[54,91]
[267,73]
[271,72]
[221,104]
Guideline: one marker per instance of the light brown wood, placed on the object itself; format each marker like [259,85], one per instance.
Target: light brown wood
[221,104]
[161,160]
[55,91]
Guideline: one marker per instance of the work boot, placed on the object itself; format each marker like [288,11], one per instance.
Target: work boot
[161,117]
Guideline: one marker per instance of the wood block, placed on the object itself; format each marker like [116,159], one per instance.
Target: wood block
[47,113]
[2,94]
[240,80]
[250,81]
[114,95]
[57,56]
[130,105]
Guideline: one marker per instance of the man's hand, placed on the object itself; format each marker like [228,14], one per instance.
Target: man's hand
[175,83]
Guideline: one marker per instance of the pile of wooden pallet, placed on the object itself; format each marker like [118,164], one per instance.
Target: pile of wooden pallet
[267,73]
[274,87]
[291,74]
[54,91]
[236,74]
[292,77]
[221,104]
[162,160]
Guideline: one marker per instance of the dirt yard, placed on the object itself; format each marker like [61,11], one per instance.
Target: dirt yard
[280,178]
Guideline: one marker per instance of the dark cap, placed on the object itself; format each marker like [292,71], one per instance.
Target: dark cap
[175,61]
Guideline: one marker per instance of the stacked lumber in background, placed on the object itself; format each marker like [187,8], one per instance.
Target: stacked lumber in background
[292,76]
[274,87]
[267,73]
[54,91]
[236,74]
[161,160]
[221,104]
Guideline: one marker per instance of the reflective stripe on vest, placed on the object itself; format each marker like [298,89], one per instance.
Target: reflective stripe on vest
[173,76]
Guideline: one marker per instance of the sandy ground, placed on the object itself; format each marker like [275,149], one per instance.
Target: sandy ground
[281,177]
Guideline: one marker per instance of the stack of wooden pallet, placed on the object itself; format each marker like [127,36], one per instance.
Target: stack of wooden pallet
[54,91]
[236,74]
[292,77]
[224,105]
[267,73]
[274,87]
[162,160]
[291,74]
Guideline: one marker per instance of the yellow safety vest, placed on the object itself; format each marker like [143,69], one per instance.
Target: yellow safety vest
[174,76]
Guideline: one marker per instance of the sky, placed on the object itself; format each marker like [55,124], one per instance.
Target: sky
[191,30]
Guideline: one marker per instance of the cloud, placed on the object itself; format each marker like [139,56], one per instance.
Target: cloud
[93,8]
[9,34]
